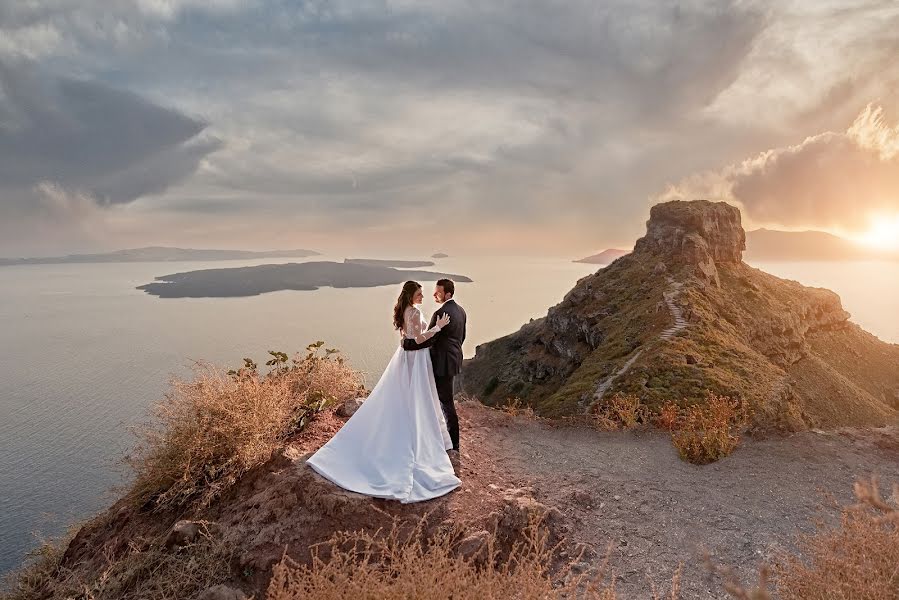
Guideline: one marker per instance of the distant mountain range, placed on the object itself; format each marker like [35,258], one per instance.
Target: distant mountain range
[773,245]
[158,254]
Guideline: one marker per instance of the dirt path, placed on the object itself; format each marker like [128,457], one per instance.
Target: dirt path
[630,490]
[679,323]
[676,312]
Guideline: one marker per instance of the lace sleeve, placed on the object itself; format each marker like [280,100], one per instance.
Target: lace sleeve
[415,325]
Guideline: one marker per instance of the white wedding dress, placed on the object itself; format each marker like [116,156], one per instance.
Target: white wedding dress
[394,446]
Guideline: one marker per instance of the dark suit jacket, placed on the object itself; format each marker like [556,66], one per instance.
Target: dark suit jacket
[446,345]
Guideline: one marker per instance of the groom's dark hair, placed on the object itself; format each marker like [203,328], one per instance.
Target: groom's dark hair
[448,286]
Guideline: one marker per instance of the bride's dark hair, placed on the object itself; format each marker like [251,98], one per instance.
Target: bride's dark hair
[404,302]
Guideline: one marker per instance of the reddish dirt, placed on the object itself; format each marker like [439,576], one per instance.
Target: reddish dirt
[627,492]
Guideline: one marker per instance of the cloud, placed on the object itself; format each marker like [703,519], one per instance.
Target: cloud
[833,180]
[371,118]
[90,139]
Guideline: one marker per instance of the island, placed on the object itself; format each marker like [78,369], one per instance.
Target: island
[158,254]
[260,279]
[440,255]
[604,258]
[398,264]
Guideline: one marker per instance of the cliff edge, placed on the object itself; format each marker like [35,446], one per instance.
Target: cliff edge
[683,315]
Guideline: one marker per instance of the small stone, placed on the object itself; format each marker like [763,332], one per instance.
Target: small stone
[474,546]
[221,592]
[617,498]
[182,534]
[349,407]
[691,360]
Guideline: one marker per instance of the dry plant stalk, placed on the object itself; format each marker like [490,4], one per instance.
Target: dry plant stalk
[668,417]
[146,572]
[366,566]
[857,559]
[517,408]
[709,431]
[212,429]
[622,411]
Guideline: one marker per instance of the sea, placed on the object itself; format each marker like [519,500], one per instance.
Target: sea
[84,355]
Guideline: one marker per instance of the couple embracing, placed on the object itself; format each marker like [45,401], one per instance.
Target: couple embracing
[403,442]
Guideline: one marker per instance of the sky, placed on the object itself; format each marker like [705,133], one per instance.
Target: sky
[406,128]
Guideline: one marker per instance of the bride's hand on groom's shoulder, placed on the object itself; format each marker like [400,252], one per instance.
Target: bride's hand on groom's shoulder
[443,321]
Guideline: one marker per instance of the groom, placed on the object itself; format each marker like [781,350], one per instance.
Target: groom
[446,354]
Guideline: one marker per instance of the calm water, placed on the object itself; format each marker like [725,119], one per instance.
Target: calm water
[84,354]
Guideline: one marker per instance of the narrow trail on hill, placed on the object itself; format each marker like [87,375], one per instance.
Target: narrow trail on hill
[629,492]
[679,323]
[676,312]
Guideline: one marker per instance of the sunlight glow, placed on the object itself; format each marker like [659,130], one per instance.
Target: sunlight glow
[883,234]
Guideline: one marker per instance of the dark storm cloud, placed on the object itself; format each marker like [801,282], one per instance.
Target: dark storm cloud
[89,137]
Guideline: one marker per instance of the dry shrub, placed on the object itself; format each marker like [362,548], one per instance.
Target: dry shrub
[668,417]
[37,576]
[516,408]
[367,566]
[857,559]
[212,429]
[621,411]
[147,572]
[709,431]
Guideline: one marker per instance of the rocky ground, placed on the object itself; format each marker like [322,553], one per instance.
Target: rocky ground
[625,494]
[630,491]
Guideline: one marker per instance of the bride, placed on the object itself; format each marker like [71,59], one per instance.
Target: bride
[395,445]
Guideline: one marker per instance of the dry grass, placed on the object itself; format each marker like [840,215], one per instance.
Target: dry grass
[858,559]
[711,430]
[367,566]
[621,411]
[212,429]
[516,408]
[668,416]
[147,572]
[38,574]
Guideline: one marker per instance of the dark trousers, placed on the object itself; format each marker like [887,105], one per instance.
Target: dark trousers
[445,393]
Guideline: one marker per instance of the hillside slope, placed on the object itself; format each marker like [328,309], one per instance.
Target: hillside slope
[682,315]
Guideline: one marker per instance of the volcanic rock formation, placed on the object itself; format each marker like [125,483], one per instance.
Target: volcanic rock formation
[682,316]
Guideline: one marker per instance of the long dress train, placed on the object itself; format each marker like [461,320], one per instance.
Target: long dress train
[394,446]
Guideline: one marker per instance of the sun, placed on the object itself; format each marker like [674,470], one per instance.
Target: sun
[883,234]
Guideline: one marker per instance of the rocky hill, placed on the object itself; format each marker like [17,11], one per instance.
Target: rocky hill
[682,315]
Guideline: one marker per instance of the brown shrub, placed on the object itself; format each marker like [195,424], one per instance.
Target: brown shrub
[668,416]
[146,572]
[709,431]
[857,559]
[212,429]
[516,408]
[621,411]
[36,577]
[367,566]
